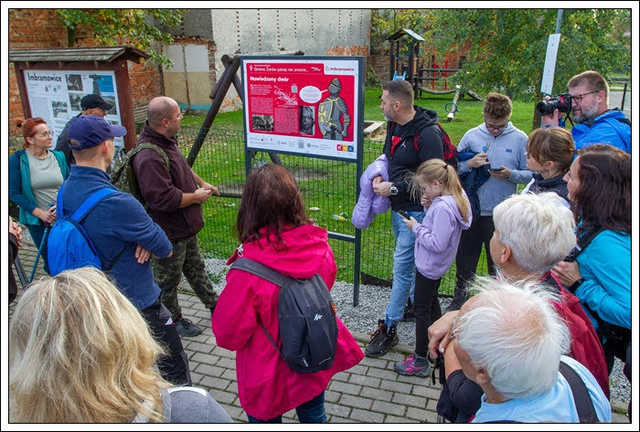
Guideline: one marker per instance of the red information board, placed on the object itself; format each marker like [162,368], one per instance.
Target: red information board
[303,105]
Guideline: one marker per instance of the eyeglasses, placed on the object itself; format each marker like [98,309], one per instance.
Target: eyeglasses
[45,134]
[496,127]
[578,98]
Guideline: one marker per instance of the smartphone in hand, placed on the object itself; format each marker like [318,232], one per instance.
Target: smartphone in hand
[496,169]
[404,214]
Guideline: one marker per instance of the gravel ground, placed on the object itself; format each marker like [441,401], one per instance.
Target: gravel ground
[372,304]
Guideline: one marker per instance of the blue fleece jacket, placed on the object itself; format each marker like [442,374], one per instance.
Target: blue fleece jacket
[508,150]
[605,129]
[605,265]
[118,224]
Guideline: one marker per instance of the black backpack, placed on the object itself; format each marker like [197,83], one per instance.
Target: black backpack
[306,318]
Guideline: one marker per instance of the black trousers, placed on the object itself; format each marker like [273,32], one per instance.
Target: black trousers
[469,250]
[173,366]
[427,310]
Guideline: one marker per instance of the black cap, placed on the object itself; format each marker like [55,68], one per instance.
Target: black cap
[94,101]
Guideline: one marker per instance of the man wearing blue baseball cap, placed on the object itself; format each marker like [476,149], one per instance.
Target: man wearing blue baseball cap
[123,234]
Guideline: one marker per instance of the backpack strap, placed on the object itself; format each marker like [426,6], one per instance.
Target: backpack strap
[266,273]
[584,404]
[89,204]
[262,271]
[131,153]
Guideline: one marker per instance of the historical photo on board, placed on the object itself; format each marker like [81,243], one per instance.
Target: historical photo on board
[307,120]
[74,100]
[74,82]
[262,122]
[59,108]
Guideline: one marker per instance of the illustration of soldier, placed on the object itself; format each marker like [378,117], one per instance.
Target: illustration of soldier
[329,112]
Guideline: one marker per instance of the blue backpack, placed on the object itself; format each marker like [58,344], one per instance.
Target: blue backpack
[68,245]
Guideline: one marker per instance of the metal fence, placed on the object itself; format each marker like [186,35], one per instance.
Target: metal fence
[328,190]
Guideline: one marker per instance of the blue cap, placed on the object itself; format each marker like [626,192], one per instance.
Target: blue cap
[90,130]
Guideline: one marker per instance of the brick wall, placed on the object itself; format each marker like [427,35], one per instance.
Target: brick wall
[41,29]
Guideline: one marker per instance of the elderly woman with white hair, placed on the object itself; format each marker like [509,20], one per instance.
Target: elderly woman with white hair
[510,341]
[532,233]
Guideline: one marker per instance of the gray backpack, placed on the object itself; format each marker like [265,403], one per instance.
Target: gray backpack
[306,318]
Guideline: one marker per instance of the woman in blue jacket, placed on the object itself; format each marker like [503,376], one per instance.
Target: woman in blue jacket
[35,175]
[599,185]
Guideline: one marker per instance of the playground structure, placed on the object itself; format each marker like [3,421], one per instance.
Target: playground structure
[423,79]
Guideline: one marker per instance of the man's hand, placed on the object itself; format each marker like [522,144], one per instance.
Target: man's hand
[566,272]
[440,333]
[210,187]
[202,194]
[478,160]
[381,187]
[504,173]
[142,255]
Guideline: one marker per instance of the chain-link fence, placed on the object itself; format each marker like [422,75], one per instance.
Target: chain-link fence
[328,188]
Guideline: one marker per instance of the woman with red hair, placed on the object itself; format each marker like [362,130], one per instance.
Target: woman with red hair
[35,175]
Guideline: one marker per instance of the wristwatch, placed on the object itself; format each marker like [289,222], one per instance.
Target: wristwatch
[393,190]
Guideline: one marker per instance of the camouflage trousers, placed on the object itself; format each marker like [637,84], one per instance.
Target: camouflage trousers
[167,272]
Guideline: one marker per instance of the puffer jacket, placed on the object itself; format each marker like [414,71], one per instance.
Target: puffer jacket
[370,203]
[267,387]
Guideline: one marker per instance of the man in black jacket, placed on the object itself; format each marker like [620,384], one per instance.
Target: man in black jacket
[91,104]
[413,136]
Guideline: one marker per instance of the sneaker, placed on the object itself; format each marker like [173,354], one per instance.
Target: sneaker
[412,367]
[186,328]
[409,313]
[381,340]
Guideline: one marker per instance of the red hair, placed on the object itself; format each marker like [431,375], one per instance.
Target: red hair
[28,127]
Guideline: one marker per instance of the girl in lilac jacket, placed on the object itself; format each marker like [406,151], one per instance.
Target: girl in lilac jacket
[448,212]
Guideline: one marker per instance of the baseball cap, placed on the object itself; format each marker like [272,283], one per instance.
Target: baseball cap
[90,130]
[94,101]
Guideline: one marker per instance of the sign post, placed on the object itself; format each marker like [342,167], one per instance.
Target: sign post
[306,106]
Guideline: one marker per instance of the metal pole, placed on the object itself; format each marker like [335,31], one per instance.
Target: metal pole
[559,20]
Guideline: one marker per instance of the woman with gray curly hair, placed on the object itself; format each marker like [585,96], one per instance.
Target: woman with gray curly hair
[82,353]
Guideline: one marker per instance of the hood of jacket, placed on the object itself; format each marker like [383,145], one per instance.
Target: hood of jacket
[424,117]
[303,251]
[450,202]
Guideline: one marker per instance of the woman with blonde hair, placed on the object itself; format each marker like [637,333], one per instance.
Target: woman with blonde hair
[448,212]
[82,353]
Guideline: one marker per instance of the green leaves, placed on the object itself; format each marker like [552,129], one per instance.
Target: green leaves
[141,28]
[507,47]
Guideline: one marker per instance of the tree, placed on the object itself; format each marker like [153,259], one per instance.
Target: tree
[508,46]
[138,27]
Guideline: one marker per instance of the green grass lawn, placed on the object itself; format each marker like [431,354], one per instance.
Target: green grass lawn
[326,185]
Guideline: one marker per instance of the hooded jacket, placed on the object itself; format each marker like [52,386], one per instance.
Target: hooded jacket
[438,236]
[267,387]
[607,128]
[369,203]
[508,150]
[405,154]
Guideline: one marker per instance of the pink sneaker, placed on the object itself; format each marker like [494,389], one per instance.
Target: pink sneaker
[413,365]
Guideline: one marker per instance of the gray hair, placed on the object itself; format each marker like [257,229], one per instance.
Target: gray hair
[539,229]
[514,332]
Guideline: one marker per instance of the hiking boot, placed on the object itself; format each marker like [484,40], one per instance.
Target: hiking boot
[186,328]
[409,313]
[381,340]
[413,365]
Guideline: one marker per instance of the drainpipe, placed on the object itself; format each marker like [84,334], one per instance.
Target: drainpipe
[186,78]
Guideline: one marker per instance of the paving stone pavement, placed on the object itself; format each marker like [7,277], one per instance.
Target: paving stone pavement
[370,392]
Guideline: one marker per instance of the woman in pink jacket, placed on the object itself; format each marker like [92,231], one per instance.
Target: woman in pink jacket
[274,230]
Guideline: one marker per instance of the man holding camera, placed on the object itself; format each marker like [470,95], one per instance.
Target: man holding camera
[595,122]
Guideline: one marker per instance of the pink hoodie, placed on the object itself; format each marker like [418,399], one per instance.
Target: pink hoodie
[267,387]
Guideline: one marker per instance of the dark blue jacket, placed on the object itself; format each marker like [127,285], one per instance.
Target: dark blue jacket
[118,224]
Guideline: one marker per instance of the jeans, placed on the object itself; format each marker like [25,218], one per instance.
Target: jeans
[309,412]
[404,269]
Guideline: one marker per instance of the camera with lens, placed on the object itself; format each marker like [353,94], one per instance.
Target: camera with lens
[561,102]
